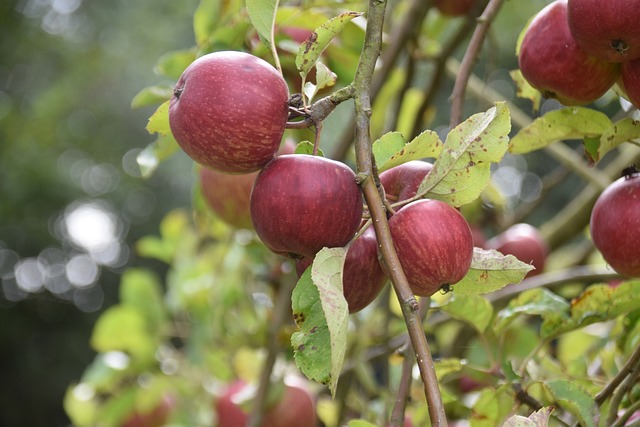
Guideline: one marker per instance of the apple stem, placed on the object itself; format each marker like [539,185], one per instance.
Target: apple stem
[469,59]
[365,167]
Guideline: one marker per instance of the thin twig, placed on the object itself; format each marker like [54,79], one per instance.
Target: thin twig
[604,394]
[621,390]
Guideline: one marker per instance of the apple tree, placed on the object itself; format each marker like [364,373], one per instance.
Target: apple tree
[376,235]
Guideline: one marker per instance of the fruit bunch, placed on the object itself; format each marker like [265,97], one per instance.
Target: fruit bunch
[229,112]
[576,50]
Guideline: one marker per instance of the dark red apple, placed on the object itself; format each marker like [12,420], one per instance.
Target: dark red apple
[551,61]
[302,203]
[454,7]
[615,224]
[362,276]
[606,29]
[228,195]
[296,408]
[524,242]
[402,182]
[434,245]
[156,417]
[228,111]
[631,81]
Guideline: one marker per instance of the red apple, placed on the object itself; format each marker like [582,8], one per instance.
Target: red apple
[551,61]
[631,81]
[296,408]
[524,242]
[454,7]
[606,29]
[434,245]
[156,417]
[228,195]
[615,224]
[402,182]
[229,111]
[362,277]
[302,203]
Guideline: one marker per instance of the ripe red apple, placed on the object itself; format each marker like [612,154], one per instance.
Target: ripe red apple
[402,182]
[296,408]
[551,61]
[631,81]
[434,245]
[454,7]
[228,111]
[524,242]
[157,417]
[302,203]
[606,29]
[228,195]
[362,276]
[615,224]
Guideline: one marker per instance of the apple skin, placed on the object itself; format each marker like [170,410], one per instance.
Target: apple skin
[229,195]
[363,277]
[631,81]
[302,203]
[402,182]
[606,29]
[551,61]
[157,417]
[434,244]
[295,409]
[524,242]
[615,225]
[229,111]
[454,7]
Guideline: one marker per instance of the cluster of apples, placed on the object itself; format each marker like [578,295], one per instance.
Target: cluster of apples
[229,113]
[576,50]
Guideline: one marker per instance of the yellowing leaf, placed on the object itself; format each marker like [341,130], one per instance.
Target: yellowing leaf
[622,131]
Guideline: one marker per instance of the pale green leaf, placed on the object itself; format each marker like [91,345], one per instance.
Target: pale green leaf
[386,147]
[622,131]
[411,103]
[575,400]
[492,407]
[324,76]
[447,366]
[141,289]
[462,171]
[313,47]
[539,418]
[490,270]
[306,147]
[155,153]
[151,95]
[172,64]
[538,301]
[425,145]
[262,14]
[472,309]
[80,405]
[122,328]
[321,313]
[360,423]
[205,19]
[159,120]
[557,125]
[525,90]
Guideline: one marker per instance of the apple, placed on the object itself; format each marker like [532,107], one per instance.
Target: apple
[615,224]
[606,29]
[524,242]
[362,276]
[156,417]
[434,244]
[302,203]
[454,7]
[402,182]
[551,61]
[631,81]
[295,408]
[229,110]
[228,195]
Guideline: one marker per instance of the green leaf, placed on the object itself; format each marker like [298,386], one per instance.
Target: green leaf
[306,147]
[472,309]
[324,78]
[152,95]
[123,328]
[262,14]
[205,19]
[492,407]
[141,289]
[575,400]
[386,147]
[318,41]
[622,131]
[159,120]
[447,366]
[462,170]
[490,270]
[360,423]
[538,301]
[539,418]
[80,405]
[155,153]
[525,90]
[392,150]
[172,64]
[321,313]
[557,125]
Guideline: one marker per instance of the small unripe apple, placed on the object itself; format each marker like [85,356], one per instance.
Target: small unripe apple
[229,110]
[402,182]
[606,29]
[156,417]
[454,7]
[362,275]
[615,224]
[552,62]
[631,81]
[302,203]
[524,242]
[434,245]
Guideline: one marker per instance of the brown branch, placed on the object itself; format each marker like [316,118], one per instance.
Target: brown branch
[615,382]
[319,110]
